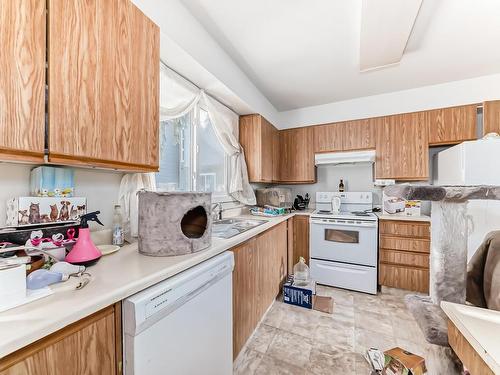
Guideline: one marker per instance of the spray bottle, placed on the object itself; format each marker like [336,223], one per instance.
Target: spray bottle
[85,253]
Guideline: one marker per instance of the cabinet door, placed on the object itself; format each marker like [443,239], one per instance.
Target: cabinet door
[491,117]
[403,147]
[452,125]
[89,346]
[276,155]
[359,135]
[329,137]
[22,80]
[300,239]
[245,308]
[297,156]
[103,79]
[267,153]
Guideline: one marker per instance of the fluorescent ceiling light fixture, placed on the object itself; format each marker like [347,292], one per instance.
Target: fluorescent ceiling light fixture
[386,26]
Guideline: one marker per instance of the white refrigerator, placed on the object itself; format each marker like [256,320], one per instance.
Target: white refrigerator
[473,163]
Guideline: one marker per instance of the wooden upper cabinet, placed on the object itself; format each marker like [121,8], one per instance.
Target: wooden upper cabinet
[402,147]
[328,137]
[276,155]
[452,125]
[103,77]
[359,135]
[296,161]
[22,80]
[345,136]
[491,117]
[257,137]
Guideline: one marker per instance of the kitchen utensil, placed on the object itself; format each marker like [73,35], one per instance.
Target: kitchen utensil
[84,252]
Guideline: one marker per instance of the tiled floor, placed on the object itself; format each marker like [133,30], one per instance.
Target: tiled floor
[293,340]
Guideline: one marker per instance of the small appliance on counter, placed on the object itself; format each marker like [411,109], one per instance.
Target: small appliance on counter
[274,197]
[399,206]
[85,253]
[300,203]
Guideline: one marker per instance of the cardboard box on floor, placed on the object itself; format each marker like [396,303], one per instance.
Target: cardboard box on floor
[401,362]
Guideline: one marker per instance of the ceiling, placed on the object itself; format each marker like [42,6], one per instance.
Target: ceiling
[302,53]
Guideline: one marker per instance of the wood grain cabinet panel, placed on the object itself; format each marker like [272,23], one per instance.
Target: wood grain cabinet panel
[402,147]
[359,135]
[276,156]
[257,137]
[466,352]
[103,77]
[452,125]
[404,228]
[245,295]
[403,277]
[300,238]
[405,258]
[297,156]
[404,249]
[491,117]
[408,244]
[22,80]
[328,137]
[260,268]
[89,346]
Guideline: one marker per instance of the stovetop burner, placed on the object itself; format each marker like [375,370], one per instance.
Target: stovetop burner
[360,213]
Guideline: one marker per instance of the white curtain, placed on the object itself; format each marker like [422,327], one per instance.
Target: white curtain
[129,186]
[178,97]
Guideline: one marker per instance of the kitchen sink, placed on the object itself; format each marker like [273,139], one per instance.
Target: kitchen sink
[228,228]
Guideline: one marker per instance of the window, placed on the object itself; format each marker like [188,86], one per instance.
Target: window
[191,156]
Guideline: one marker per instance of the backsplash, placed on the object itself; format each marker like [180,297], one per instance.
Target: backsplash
[99,187]
[357,177]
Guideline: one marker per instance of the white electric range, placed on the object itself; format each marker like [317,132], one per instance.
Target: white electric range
[343,241]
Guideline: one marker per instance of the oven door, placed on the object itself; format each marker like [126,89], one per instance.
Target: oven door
[344,241]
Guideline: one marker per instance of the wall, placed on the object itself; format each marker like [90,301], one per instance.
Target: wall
[357,177]
[100,187]
[475,90]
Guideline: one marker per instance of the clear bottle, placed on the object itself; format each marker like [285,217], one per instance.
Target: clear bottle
[301,272]
[118,237]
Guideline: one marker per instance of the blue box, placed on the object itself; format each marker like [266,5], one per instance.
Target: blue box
[299,295]
[52,182]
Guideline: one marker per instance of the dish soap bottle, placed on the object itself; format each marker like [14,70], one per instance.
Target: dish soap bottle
[301,273]
[341,186]
[118,238]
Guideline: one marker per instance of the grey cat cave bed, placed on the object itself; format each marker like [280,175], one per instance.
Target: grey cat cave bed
[174,223]
[448,258]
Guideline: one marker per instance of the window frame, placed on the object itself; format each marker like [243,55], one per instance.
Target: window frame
[194,153]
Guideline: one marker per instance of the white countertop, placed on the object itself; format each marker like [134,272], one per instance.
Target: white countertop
[383,216]
[480,327]
[114,278]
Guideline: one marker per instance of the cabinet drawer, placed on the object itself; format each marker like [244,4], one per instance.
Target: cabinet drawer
[416,279]
[404,258]
[407,244]
[405,229]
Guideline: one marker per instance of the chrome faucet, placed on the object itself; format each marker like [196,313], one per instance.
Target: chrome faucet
[219,214]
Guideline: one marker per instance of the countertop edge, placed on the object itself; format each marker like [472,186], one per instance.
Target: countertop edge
[421,218]
[101,301]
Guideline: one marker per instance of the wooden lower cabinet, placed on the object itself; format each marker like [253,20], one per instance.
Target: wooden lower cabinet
[92,345]
[404,251]
[259,270]
[300,244]
[466,352]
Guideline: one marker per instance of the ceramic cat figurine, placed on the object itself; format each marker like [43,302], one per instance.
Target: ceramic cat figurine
[25,219]
[53,212]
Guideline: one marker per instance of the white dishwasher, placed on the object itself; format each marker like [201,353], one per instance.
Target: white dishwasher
[183,325]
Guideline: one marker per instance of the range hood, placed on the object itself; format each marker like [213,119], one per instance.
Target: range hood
[349,157]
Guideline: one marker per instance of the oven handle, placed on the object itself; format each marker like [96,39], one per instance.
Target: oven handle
[363,225]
